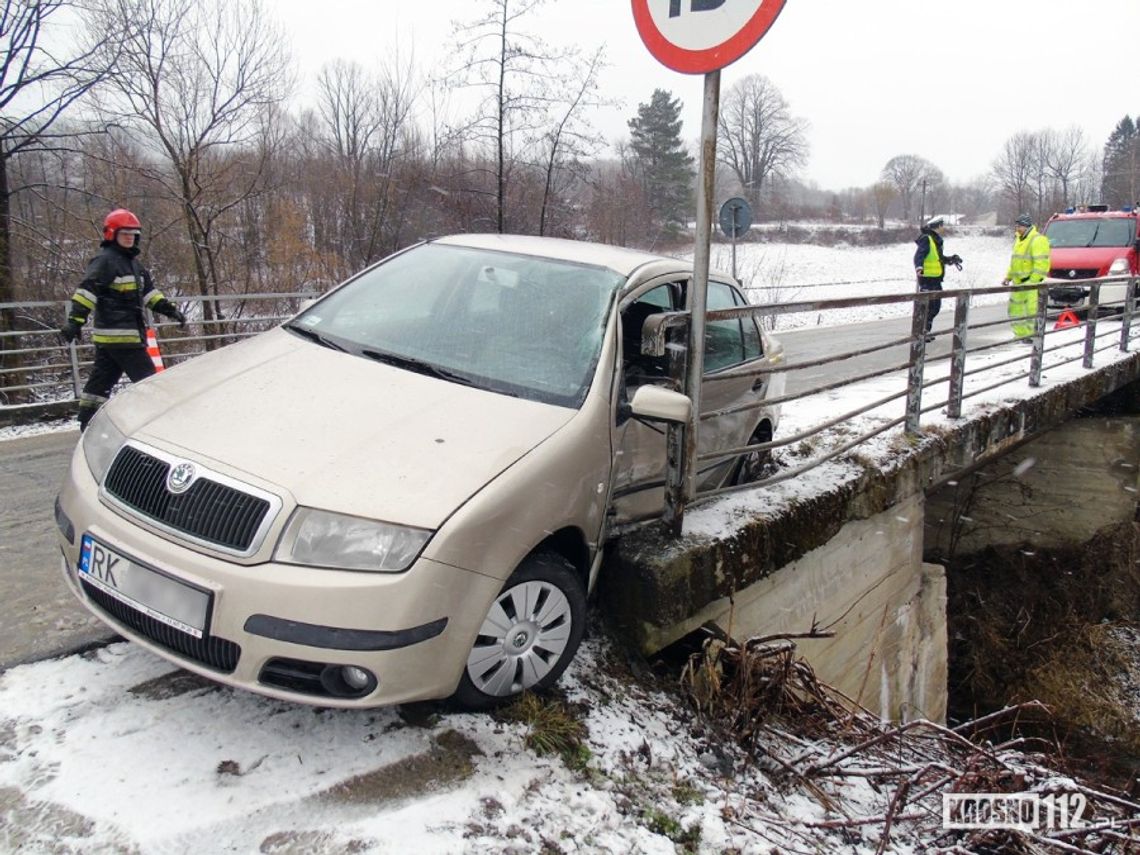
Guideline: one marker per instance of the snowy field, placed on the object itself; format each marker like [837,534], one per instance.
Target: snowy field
[116,751]
[787,273]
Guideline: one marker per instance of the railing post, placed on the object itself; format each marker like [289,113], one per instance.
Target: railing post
[1090,328]
[1037,355]
[73,359]
[917,360]
[958,356]
[1126,318]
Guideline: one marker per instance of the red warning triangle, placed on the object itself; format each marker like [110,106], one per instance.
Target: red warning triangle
[1067,318]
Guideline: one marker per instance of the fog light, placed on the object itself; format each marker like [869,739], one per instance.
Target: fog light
[355,678]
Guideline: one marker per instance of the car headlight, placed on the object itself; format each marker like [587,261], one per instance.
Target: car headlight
[101,442]
[325,539]
[1118,267]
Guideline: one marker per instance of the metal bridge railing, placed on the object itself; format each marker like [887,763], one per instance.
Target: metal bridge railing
[36,367]
[669,330]
[50,371]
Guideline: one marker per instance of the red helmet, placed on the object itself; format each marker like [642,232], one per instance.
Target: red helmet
[120,218]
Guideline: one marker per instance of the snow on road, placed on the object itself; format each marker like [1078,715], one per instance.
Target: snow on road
[115,751]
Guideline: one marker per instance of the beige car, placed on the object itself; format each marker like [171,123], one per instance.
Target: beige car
[402,493]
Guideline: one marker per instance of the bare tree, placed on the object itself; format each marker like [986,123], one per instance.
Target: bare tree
[519,73]
[883,192]
[911,175]
[37,85]
[759,137]
[1066,155]
[572,140]
[197,82]
[364,118]
[1015,169]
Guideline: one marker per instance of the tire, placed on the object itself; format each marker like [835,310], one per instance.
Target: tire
[751,466]
[530,633]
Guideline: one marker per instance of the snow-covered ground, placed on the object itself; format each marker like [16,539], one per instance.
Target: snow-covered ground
[116,751]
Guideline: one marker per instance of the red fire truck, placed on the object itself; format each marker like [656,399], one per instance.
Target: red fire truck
[1089,242]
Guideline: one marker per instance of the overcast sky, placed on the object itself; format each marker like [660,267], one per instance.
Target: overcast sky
[948,81]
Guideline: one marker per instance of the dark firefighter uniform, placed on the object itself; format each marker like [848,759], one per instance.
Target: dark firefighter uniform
[115,289]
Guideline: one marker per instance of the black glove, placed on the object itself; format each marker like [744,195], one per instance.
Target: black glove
[178,316]
[70,331]
[956,260]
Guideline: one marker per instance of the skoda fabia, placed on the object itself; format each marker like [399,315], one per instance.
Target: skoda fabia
[402,493]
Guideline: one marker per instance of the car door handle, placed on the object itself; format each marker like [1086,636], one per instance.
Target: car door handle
[758,384]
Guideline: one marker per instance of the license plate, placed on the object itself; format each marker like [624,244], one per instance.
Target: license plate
[155,594]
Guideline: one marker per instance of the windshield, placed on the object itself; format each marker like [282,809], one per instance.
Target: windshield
[514,324]
[1064,234]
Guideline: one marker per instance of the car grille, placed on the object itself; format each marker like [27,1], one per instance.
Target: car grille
[215,653]
[1073,273]
[209,511]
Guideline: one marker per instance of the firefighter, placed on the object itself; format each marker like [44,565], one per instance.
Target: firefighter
[1029,265]
[930,265]
[116,288]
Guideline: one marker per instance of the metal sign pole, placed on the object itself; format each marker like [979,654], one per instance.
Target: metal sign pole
[698,292]
[735,230]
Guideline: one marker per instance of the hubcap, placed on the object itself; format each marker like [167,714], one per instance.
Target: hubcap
[522,639]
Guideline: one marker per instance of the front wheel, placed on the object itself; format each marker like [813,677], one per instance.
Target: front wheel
[530,633]
[752,465]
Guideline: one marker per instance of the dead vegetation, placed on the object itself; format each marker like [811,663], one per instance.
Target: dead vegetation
[1046,625]
[805,733]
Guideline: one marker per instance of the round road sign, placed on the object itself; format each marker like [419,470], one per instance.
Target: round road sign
[735,217]
[699,36]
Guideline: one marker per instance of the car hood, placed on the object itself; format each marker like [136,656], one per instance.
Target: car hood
[336,431]
[1085,256]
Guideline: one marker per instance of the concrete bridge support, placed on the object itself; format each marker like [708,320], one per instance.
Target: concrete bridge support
[887,609]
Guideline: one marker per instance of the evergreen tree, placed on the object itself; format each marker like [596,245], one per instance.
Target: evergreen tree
[1121,182]
[662,164]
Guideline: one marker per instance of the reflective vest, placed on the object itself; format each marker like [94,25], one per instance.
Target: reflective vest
[1030,259]
[932,264]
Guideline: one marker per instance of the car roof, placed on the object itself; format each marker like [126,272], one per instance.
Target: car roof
[616,258]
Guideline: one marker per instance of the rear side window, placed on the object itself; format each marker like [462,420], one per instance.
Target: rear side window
[753,349]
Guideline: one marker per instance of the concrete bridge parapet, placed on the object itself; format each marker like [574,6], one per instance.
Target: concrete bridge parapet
[846,556]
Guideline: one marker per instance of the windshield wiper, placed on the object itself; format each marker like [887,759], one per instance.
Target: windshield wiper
[418,366]
[1096,231]
[311,335]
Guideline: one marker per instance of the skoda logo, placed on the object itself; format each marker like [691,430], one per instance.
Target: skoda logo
[1072,274]
[180,477]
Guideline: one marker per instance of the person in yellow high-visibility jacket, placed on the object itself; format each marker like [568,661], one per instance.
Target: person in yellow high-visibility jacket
[1028,265]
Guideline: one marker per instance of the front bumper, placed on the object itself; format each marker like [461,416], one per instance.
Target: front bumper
[275,628]
[1067,296]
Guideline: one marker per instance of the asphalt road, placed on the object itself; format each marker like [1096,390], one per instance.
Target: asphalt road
[40,618]
[810,343]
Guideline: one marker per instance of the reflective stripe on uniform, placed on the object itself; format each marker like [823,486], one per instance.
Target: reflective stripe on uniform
[154,297]
[123,284]
[115,336]
[86,399]
[85,298]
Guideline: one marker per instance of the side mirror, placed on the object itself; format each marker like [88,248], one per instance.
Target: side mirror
[660,404]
